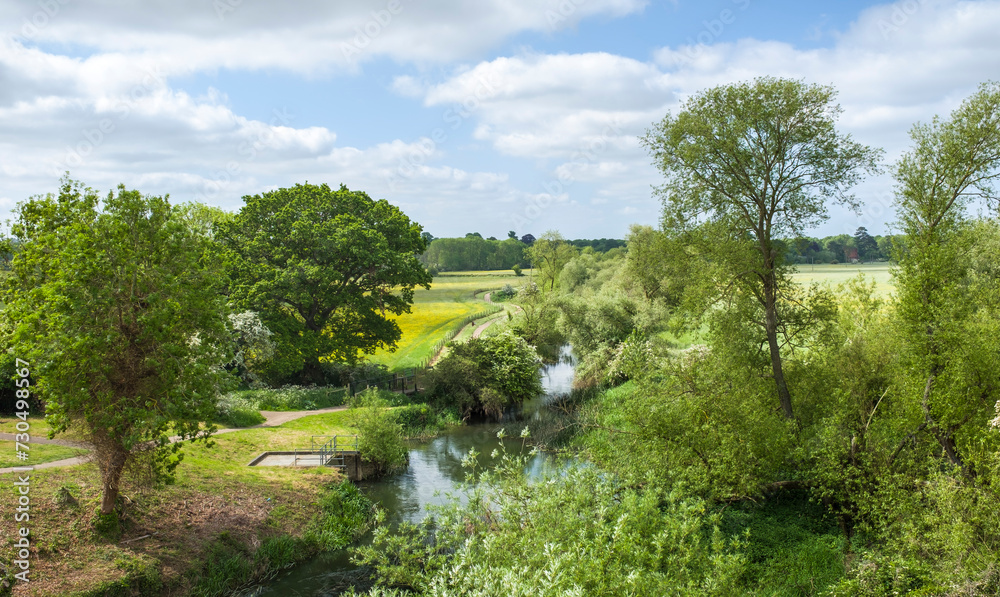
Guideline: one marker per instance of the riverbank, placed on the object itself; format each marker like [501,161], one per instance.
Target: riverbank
[219,525]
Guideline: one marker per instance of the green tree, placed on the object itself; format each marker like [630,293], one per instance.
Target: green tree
[951,164]
[759,160]
[549,254]
[380,436]
[122,321]
[324,269]
[866,244]
[485,375]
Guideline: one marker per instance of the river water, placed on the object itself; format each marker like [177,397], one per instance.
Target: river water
[435,469]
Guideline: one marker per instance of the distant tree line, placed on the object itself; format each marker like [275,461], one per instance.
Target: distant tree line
[473,252]
[841,248]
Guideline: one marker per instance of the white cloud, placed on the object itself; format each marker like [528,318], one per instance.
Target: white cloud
[895,65]
[306,36]
[107,110]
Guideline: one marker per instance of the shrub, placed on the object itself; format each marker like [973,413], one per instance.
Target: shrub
[517,270]
[380,437]
[485,375]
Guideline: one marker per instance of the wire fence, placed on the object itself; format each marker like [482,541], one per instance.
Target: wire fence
[458,327]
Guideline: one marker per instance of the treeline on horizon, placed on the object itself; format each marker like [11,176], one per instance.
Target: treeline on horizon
[473,252]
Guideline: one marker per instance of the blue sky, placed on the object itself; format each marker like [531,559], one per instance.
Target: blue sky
[489,116]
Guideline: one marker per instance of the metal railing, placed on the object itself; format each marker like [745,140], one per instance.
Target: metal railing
[331,448]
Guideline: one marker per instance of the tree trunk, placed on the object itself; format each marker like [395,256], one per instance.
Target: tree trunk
[771,327]
[112,464]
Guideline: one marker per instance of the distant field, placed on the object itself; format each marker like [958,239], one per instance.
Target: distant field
[832,275]
[437,311]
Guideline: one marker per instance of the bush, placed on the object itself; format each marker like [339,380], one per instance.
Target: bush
[385,398]
[421,420]
[517,270]
[486,375]
[380,437]
[346,515]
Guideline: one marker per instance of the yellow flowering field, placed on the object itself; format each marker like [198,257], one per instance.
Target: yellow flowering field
[437,311]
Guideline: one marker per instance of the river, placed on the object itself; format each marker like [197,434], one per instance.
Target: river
[435,469]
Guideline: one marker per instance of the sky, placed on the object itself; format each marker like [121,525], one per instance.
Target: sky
[484,116]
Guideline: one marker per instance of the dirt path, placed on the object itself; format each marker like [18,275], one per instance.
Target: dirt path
[272,419]
[486,324]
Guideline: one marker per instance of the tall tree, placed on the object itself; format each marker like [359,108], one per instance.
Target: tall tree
[549,254]
[866,244]
[324,269]
[759,160]
[952,163]
[122,321]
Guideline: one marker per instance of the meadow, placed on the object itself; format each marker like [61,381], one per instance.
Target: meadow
[833,275]
[440,310]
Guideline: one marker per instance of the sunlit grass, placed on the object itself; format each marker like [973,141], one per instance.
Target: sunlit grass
[37,454]
[832,275]
[437,311]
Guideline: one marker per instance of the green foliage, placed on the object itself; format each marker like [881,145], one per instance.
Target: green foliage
[792,545]
[485,375]
[254,347]
[420,420]
[950,337]
[474,253]
[537,321]
[346,514]
[380,437]
[516,268]
[746,163]
[235,413]
[571,532]
[231,565]
[119,313]
[287,398]
[548,255]
[324,269]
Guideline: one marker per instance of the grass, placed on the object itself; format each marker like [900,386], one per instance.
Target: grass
[832,275]
[37,454]
[214,497]
[437,311]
